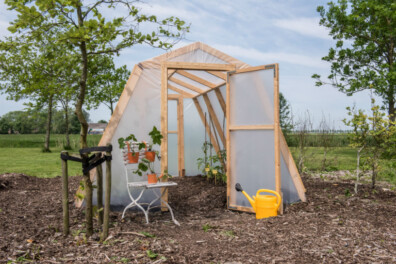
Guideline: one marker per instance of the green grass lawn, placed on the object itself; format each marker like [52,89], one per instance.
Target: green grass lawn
[22,154]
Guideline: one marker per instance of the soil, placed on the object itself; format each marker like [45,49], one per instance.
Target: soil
[334,226]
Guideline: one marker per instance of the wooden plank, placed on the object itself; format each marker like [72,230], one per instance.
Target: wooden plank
[172,132]
[276,134]
[291,165]
[251,127]
[164,127]
[241,208]
[201,114]
[180,116]
[199,66]
[256,68]
[186,85]
[106,212]
[218,74]
[228,145]
[180,91]
[196,78]
[221,100]
[209,90]
[214,118]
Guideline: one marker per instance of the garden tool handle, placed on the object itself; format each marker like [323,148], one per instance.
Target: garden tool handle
[273,192]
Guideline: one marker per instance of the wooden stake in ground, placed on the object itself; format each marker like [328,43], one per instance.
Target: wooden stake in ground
[107,196]
[99,183]
[88,197]
[65,195]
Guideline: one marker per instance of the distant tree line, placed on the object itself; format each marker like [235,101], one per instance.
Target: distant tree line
[33,121]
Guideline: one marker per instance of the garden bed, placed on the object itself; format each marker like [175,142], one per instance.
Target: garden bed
[332,226]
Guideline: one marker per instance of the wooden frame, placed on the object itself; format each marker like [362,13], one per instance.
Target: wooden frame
[275,127]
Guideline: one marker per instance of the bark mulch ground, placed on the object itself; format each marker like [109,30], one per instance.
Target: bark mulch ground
[332,227]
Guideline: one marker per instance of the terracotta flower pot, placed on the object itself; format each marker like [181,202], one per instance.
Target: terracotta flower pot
[132,157]
[150,155]
[152,178]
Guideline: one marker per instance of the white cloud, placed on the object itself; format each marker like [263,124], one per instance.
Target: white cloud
[308,26]
[271,57]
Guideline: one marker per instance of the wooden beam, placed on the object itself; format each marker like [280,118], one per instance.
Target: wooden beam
[200,66]
[221,100]
[251,127]
[180,91]
[257,68]
[180,117]
[164,127]
[201,114]
[211,89]
[186,85]
[172,132]
[218,74]
[214,118]
[196,78]
[228,145]
[276,135]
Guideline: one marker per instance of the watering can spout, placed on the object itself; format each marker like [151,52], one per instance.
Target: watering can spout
[238,187]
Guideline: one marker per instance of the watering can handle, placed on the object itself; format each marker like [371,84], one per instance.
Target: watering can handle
[273,192]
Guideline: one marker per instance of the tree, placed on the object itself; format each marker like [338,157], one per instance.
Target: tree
[375,134]
[107,82]
[358,138]
[82,27]
[285,117]
[364,56]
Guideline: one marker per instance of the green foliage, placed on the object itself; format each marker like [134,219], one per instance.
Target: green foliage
[156,136]
[285,118]
[147,234]
[206,227]
[106,83]
[33,120]
[365,53]
[81,27]
[211,164]
[151,254]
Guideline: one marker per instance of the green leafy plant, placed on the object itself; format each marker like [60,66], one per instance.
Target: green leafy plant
[206,227]
[212,165]
[147,234]
[151,254]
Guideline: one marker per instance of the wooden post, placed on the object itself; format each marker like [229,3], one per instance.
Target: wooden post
[277,132]
[106,214]
[65,195]
[164,127]
[99,182]
[88,197]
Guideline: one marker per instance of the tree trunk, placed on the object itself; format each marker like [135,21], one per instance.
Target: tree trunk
[111,107]
[357,169]
[67,127]
[48,126]
[83,86]
[84,126]
[374,175]
[391,106]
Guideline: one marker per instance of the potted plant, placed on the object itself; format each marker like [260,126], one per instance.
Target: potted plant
[152,177]
[133,151]
[156,139]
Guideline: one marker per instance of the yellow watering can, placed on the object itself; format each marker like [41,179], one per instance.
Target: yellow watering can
[264,205]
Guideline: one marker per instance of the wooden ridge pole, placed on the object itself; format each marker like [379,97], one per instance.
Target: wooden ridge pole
[65,195]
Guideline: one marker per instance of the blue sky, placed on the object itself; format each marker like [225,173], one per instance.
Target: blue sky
[257,32]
